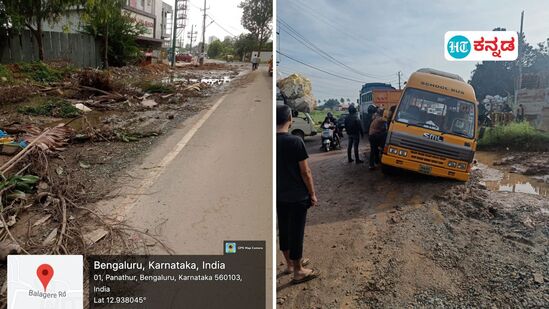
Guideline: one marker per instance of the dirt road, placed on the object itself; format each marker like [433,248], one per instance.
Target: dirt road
[415,241]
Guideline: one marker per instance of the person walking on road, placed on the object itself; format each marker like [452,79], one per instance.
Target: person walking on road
[255,62]
[378,134]
[354,132]
[295,193]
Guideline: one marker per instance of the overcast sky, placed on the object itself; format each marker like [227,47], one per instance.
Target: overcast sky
[380,38]
[225,12]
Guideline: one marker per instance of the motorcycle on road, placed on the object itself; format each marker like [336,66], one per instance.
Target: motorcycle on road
[330,140]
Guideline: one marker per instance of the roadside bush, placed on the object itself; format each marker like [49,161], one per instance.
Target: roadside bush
[518,136]
[40,72]
[51,107]
[5,74]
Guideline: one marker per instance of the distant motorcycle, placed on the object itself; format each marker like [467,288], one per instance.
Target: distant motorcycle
[329,139]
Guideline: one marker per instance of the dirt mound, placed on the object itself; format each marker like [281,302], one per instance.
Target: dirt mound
[527,163]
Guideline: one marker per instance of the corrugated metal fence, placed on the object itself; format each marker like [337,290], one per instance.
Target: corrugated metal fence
[78,48]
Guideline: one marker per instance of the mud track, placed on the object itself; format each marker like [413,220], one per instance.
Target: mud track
[414,241]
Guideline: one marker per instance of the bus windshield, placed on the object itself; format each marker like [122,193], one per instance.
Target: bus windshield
[437,112]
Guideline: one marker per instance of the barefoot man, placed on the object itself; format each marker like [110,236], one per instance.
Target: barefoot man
[295,193]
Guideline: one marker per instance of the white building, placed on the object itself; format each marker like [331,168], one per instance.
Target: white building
[153,14]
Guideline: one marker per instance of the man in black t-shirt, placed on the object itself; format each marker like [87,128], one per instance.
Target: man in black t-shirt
[294,193]
[354,133]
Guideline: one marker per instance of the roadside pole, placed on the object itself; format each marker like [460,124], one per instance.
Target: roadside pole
[519,59]
[174,33]
[399,73]
[203,35]
[191,36]
[180,14]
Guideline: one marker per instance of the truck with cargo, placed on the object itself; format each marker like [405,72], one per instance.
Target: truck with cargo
[378,94]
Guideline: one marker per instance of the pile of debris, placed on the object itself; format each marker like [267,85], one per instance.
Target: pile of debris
[297,92]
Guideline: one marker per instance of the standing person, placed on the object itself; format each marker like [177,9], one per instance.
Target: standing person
[295,193]
[390,116]
[378,134]
[370,113]
[520,113]
[354,132]
[255,62]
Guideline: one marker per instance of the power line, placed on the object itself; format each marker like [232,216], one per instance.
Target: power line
[307,43]
[215,22]
[318,69]
[301,6]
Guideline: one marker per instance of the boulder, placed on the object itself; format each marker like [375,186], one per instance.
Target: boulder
[298,92]
[303,104]
[295,86]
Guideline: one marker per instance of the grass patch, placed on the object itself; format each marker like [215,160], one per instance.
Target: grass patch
[516,136]
[41,72]
[51,107]
[157,88]
[5,74]
[318,116]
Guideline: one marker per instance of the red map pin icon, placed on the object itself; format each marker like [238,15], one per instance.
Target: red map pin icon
[44,273]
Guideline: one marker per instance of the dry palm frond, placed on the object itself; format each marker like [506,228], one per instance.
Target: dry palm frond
[49,140]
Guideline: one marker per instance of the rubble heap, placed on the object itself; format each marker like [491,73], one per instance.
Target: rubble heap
[297,91]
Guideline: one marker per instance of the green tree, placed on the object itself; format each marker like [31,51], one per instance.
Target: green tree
[244,44]
[215,49]
[257,18]
[31,14]
[500,77]
[331,103]
[228,46]
[104,19]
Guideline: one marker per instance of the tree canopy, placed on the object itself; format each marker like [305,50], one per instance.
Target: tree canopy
[215,49]
[105,19]
[500,77]
[257,18]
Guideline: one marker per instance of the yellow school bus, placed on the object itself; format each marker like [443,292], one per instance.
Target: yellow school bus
[433,130]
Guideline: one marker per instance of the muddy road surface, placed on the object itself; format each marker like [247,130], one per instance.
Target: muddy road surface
[412,241]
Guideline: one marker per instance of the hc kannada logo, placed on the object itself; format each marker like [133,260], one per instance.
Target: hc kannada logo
[459,47]
[230,247]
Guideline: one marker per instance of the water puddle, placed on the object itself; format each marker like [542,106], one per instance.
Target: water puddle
[496,179]
[91,119]
[217,81]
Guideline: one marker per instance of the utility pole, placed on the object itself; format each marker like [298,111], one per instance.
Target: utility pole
[179,22]
[519,59]
[399,74]
[203,35]
[192,36]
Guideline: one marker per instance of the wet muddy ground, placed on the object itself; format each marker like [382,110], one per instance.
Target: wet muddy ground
[412,241]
